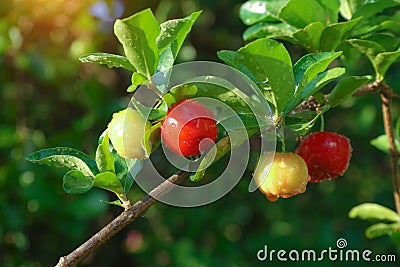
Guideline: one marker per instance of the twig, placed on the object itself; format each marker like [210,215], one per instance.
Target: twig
[125,218]
[386,94]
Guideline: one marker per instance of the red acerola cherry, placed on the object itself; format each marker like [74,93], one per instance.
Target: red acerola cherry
[189,128]
[326,154]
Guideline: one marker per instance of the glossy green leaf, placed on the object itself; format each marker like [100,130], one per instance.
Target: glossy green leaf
[300,13]
[137,80]
[221,148]
[108,181]
[345,89]
[373,211]
[313,87]
[167,58]
[260,10]
[152,138]
[375,25]
[117,203]
[138,34]
[104,158]
[388,42]
[373,7]
[175,30]
[208,89]
[381,142]
[228,57]
[75,182]
[151,113]
[371,50]
[65,157]
[349,7]
[381,229]
[126,170]
[270,62]
[264,29]
[336,33]
[111,60]
[383,61]
[310,65]
[303,122]
[310,36]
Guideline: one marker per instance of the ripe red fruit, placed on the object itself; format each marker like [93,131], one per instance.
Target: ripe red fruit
[327,154]
[285,177]
[189,128]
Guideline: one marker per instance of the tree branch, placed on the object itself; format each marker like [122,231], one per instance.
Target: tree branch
[125,218]
[386,94]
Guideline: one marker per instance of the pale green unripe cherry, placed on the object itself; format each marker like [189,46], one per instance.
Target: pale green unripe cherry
[126,131]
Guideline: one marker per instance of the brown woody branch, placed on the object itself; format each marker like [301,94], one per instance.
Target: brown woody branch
[126,217]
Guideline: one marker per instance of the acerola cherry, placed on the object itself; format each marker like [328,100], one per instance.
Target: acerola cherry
[126,131]
[327,154]
[187,126]
[286,177]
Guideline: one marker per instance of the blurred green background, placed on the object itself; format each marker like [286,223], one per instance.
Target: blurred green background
[50,99]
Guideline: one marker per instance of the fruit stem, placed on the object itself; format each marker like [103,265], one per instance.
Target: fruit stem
[322,122]
[282,128]
[386,92]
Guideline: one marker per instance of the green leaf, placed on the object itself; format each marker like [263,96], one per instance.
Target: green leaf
[310,36]
[336,33]
[309,66]
[152,138]
[126,170]
[349,7]
[221,148]
[138,34]
[301,123]
[108,181]
[380,60]
[300,13]
[270,62]
[151,113]
[228,57]
[382,143]
[345,89]
[104,158]
[65,157]
[375,25]
[265,29]
[260,10]
[371,8]
[175,30]
[381,229]
[117,203]
[388,42]
[373,211]
[75,182]
[167,58]
[232,98]
[111,60]
[137,79]
[383,61]
[313,87]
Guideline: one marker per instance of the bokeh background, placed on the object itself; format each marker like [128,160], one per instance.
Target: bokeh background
[48,99]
